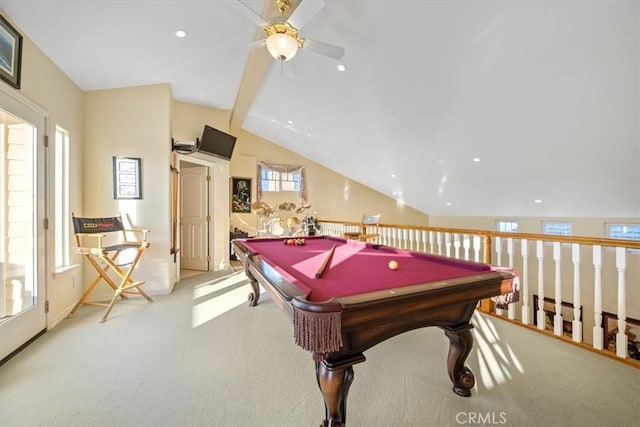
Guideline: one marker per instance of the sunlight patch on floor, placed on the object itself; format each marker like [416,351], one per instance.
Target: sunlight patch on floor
[213,307]
[218,284]
[497,360]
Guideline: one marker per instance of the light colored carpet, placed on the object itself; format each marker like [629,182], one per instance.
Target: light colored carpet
[202,357]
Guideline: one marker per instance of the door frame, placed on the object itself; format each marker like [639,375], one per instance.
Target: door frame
[31,322]
[197,159]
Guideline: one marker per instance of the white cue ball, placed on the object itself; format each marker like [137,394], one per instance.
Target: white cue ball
[393,265]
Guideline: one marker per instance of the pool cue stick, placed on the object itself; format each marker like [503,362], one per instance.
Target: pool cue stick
[326,262]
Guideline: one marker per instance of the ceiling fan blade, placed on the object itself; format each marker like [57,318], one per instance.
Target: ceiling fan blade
[249,13]
[326,49]
[305,11]
[287,69]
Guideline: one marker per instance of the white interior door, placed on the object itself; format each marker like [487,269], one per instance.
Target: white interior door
[22,242]
[194,218]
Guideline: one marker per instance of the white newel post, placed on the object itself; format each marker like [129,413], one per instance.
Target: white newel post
[511,309]
[577,304]
[597,297]
[557,318]
[621,336]
[540,254]
[525,281]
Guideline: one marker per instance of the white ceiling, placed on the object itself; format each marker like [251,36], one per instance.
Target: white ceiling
[545,93]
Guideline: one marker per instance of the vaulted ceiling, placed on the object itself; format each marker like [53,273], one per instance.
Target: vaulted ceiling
[524,108]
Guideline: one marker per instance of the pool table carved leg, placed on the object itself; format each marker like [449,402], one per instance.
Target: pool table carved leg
[255,292]
[334,383]
[460,344]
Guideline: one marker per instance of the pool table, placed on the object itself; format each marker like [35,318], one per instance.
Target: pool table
[358,301]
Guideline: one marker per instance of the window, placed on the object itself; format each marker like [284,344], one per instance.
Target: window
[61,199]
[280,181]
[507,226]
[276,178]
[623,231]
[557,228]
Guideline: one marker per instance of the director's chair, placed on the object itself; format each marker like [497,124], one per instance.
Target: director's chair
[369,228]
[91,240]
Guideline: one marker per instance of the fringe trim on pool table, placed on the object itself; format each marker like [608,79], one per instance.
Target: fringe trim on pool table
[317,332]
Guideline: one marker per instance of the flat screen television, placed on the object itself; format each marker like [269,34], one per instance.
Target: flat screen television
[217,143]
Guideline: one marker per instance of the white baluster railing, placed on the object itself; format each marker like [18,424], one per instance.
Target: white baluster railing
[593,298]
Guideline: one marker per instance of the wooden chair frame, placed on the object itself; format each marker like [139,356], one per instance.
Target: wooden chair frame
[90,234]
[368,220]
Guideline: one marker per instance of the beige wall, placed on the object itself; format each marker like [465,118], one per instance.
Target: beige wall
[45,84]
[331,195]
[589,227]
[133,122]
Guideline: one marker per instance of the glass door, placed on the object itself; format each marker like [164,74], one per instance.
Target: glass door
[22,290]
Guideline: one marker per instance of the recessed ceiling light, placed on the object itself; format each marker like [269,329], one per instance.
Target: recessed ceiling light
[290,122]
[341,67]
[181,33]
[537,201]
[448,203]
[393,175]
[476,159]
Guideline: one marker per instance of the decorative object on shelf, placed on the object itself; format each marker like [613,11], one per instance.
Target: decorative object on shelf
[240,195]
[11,58]
[185,147]
[127,178]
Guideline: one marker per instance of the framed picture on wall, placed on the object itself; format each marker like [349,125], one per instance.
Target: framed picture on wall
[126,178]
[10,53]
[240,195]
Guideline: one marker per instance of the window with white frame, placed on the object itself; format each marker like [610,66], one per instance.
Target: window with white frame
[275,181]
[507,226]
[61,198]
[278,178]
[557,228]
[623,231]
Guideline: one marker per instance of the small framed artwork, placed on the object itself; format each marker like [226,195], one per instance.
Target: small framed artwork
[10,53]
[240,195]
[126,178]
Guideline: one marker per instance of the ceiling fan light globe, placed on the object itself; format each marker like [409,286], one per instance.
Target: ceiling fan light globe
[282,46]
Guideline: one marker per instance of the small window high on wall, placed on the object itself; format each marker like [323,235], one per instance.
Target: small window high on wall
[623,231]
[278,178]
[557,228]
[507,226]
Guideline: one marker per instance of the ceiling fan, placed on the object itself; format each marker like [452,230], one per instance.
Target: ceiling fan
[282,34]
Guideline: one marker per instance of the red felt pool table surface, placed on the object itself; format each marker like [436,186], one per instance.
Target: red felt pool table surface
[356,267]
